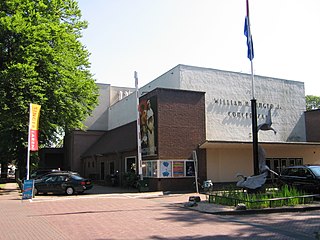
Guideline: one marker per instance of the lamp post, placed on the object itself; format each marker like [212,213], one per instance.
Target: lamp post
[255,136]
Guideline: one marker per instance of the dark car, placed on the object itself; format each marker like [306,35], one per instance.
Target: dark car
[304,177]
[41,172]
[62,182]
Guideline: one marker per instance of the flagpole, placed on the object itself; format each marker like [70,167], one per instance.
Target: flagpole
[138,127]
[253,100]
[28,153]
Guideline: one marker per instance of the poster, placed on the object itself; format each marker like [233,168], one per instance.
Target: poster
[148,126]
[27,189]
[190,168]
[178,168]
[165,169]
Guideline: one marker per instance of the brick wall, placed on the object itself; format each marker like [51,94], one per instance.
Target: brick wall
[181,128]
[312,125]
[181,123]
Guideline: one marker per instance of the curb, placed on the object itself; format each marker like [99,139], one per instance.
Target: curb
[257,211]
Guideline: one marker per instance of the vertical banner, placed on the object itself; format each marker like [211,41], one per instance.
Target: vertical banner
[33,132]
[148,126]
[34,126]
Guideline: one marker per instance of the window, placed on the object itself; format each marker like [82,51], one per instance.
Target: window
[277,164]
[61,178]
[150,168]
[111,168]
[51,179]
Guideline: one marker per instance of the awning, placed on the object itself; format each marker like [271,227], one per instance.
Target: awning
[233,144]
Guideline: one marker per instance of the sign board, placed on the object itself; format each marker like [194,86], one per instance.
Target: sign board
[27,189]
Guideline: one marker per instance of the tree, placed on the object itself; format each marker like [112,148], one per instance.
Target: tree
[42,61]
[313,102]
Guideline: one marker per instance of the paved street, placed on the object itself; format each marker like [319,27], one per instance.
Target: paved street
[139,216]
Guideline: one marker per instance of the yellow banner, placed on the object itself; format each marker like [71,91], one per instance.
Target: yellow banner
[35,114]
[34,126]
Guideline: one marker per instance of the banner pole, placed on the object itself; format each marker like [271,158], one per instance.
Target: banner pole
[28,153]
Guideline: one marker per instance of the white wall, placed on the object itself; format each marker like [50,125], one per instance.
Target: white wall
[124,111]
[224,163]
[228,109]
[170,79]
[228,104]
[99,119]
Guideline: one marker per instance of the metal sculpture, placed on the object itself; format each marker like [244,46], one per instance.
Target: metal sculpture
[267,125]
[256,181]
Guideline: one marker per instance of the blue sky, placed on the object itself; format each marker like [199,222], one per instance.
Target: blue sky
[153,36]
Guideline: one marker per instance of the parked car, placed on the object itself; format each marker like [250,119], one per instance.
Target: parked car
[41,172]
[62,182]
[304,177]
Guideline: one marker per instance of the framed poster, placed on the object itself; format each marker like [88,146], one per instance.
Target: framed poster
[178,168]
[190,169]
[166,169]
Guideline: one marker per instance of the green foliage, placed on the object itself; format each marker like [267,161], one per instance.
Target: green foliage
[130,179]
[312,102]
[260,200]
[42,61]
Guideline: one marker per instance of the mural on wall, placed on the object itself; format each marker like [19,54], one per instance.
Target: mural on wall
[148,126]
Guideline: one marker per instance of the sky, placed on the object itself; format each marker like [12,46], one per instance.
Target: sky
[153,36]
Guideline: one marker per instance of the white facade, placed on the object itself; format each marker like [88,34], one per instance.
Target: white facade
[228,107]
[228,110]
[108,96]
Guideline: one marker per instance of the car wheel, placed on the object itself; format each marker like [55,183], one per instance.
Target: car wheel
[35,191]
[69,191]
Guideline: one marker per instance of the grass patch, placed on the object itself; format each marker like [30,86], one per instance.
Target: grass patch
[286,196]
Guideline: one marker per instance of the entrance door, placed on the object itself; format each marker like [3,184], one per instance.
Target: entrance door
[102,171]
[130,164]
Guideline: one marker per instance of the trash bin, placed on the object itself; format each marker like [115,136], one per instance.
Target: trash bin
[143,185]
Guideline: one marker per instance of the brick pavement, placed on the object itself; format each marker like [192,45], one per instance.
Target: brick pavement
[134,216]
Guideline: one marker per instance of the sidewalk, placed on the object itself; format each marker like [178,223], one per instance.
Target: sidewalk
[12,191]
[16,219]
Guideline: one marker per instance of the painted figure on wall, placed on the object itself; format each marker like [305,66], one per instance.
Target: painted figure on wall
[148,127]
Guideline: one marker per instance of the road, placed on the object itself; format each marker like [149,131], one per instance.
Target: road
[140,216]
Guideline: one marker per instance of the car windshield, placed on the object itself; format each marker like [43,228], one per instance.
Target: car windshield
[316,170]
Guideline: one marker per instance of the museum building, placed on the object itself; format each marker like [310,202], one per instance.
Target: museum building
[192,114]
